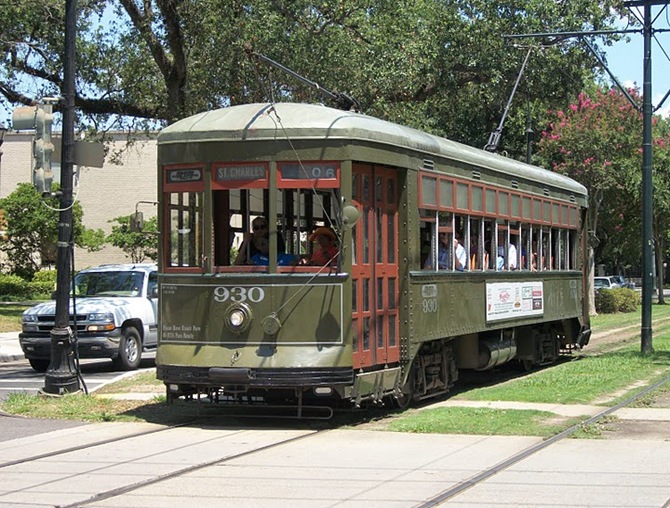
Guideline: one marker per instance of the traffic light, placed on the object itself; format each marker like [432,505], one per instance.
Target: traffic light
[39,118]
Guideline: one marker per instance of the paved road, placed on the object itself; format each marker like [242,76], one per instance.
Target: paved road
[18,376]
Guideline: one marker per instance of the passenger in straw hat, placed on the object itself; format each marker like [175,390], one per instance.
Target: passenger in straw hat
[327,252]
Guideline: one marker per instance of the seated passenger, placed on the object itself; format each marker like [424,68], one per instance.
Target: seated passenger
[460,255]
[442,254]
[255,247]
[512,254]
[500,262]
[327,252]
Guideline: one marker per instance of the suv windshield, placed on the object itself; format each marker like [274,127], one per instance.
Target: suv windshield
[109,283]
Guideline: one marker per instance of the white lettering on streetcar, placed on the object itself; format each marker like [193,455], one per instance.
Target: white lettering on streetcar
[239,294]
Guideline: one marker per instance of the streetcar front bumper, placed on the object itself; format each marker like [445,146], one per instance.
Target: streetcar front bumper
[255,378]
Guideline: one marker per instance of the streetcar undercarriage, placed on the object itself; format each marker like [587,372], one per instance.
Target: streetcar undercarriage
[431,373]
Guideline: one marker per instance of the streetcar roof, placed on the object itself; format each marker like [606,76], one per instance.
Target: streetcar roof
[254,122]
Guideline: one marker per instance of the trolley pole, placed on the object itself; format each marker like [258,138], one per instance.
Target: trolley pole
[647,184]
[61,376]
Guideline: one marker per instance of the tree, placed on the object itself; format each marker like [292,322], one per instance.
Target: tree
[138,245]
[661,199]
[32,230]
[597,141]
[435,65]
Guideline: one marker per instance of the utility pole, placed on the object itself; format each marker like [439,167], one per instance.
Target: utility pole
[529,136]
[61,376]
[647,185]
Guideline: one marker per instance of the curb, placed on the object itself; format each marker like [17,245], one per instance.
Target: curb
[4,358]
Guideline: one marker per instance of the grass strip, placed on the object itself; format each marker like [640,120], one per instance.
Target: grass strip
[482,421]
[584,379]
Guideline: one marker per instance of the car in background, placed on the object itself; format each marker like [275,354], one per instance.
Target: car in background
[604,283]
[619,279]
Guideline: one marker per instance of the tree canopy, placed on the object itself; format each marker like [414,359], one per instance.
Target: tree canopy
[137,245]
[442,66]
[597,140]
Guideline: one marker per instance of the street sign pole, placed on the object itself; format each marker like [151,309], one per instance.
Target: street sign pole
[62,376]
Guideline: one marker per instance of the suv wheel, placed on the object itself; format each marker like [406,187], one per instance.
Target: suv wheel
[39,364]
[130,350]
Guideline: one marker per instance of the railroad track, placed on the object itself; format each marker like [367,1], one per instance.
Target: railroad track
[166,449]
[157,465]
[482,476]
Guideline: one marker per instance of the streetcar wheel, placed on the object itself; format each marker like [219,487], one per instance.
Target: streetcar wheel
[526,365]
[130,350]
[403,400]
[39,365]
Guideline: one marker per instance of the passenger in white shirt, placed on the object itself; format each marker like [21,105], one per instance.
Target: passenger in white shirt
[512,256]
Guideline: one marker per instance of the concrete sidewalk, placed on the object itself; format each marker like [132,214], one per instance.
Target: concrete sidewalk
[218,466]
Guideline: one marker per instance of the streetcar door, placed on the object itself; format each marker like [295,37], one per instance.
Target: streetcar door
[375,266]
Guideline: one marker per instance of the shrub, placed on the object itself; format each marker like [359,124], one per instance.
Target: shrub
[13,287]
[609,301]
[43,284]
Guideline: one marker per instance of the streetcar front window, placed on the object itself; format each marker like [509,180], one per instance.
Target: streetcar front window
[185,239]
[257,224]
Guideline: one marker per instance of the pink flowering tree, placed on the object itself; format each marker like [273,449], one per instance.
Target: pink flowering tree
[597,141]
[661,184]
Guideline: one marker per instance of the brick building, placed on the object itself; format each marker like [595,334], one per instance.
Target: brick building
[104,193]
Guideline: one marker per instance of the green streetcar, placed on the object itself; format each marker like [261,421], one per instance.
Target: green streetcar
[440,257]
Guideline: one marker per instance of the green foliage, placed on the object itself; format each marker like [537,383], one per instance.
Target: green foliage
[609,301]
[138,245]
[43,284]
[32,230]
[14,288]
[439,66]
[597,141]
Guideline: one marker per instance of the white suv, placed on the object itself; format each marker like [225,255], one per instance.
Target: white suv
[604,283]
[113,314]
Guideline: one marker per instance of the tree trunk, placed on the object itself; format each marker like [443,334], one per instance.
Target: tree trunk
[591,244]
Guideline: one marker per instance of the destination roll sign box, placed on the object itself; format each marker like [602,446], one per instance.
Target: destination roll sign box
[241,172]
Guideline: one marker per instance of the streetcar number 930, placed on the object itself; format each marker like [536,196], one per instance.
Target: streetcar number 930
[239,294]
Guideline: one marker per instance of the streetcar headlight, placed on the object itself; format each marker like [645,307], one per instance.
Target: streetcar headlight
[238,317]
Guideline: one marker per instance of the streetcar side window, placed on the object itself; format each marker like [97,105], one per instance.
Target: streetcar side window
[253,224]
[446,241]
[498,229]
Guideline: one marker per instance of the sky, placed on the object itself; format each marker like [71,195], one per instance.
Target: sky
[625,60]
